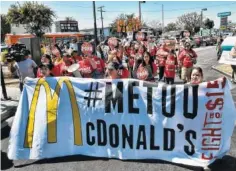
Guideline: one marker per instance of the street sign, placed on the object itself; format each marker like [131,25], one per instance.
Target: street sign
[223,21]
[224,14]
[223,28]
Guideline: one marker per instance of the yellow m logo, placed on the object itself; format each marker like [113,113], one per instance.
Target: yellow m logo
[52,104]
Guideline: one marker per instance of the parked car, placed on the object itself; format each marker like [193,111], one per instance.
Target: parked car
[207,41]
[197,41]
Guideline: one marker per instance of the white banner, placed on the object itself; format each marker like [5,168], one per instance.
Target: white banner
[125,119]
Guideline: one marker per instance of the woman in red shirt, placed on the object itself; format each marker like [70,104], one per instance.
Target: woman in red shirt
[67,61]
[147,70]
[58,66]
[171,63]
[100,71]
[123,69]
[161,56]
[87,67]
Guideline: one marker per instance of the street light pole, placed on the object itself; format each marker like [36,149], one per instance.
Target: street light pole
[139,4]
[95,24]
[162,6]
[140,13]
[201,25]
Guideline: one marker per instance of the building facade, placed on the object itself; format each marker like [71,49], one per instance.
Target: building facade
[67,26]
[20,29]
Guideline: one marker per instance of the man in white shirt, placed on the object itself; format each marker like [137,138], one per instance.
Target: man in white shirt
[25,68]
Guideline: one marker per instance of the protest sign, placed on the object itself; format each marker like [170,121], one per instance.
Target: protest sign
[125,119]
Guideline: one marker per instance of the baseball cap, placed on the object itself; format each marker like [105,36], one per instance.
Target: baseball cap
[113,65]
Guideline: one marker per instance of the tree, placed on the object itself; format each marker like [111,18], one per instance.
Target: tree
[113,24]
[190,22]
[35,18]
[209,24]
[171,27]
[69,19]
[155,24]
[124,17]
[5,27]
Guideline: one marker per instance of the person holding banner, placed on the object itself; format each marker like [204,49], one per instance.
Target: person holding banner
[100,67]
[68,61]
[46,59]
[161,56]
[112,70]
[187,59]
[58,65]
[123,68]
[25,68]
[196,76]
[75,56]
[147,70]
[46,70]
[87,66]
[233,54]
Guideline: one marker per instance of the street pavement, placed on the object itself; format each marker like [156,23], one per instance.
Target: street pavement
[206,59]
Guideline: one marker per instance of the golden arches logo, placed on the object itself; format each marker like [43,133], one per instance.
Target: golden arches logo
[51,111]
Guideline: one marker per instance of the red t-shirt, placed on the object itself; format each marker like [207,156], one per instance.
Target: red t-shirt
[39,74]
[124,73]
[145,72]
[64,69]
[152,50]
[128,51]
[170,67]
[186,57]
[57,69]
[78,58]
[86,68]
[100,64]
[161,56]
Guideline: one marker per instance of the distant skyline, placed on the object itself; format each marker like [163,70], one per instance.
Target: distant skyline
[82,11]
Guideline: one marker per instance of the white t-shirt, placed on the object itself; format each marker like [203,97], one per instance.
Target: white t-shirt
[25,69]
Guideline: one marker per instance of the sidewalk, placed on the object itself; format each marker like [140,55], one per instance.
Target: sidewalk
[8,107]
[223,69]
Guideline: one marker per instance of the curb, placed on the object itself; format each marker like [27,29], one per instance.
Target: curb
[12,82]
[203,48]
[7,115]
[224,73]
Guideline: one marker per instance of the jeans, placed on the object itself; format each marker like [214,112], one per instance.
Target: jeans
[21,86]
[233,72]
[161,72]
[170,80]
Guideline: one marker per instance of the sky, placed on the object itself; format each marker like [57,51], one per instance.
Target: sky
[82,11]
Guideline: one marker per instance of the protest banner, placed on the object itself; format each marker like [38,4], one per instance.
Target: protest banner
[124,119]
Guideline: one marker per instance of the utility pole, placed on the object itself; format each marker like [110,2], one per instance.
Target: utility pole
[139,5]
[201,22]
[140,13]
[100,10]
[162,7]
[95,24]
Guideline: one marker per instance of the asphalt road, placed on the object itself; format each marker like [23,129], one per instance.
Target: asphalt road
[206,59]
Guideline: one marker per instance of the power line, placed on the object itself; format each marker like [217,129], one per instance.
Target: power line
[100,9]
[204,16]
[180,9]
[199,7]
